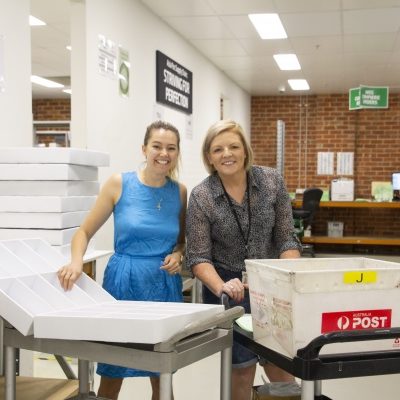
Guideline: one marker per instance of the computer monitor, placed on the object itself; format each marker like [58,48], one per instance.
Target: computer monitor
[396,186]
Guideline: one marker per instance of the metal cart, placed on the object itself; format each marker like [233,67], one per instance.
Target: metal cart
[197,341]
[312,368]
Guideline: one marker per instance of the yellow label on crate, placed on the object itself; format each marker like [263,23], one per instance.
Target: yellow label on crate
[362,277]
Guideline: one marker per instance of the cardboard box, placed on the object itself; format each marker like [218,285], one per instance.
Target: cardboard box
[294,301]
[342,190]
[264,392]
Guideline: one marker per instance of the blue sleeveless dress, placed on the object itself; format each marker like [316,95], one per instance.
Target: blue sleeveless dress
[146,228]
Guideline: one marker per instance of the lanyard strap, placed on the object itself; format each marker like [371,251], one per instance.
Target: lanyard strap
[244,237]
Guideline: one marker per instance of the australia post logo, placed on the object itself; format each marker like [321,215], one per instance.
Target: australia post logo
[352,320]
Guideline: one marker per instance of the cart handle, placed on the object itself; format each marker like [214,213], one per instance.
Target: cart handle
[312,350]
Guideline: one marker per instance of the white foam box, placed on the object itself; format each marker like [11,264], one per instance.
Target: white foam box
[42,220]
[294,301]
[48,172]
[55,237]
[35,303]
[48,155]
[49,188]
[46,203]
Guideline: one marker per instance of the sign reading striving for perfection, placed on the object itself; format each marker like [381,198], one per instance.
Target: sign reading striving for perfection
[368,97]
[174,84]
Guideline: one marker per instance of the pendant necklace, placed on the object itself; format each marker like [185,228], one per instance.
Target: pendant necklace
[158,200]
[153,191]
[242,234]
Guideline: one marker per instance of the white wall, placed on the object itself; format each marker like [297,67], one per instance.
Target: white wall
[116,124]
[15,68]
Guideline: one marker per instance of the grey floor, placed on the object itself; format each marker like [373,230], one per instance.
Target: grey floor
[200,380]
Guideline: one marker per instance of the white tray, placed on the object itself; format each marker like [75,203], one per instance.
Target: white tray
[34,302]
[49,188]
[53,236]
[46,203]
[42,220]
[51,172]
[64,155]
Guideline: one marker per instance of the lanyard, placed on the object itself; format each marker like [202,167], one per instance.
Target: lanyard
[244,237]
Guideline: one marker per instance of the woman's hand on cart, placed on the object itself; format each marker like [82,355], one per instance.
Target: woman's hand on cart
[234,288]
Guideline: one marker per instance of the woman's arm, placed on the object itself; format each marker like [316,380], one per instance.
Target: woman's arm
[173,262]
[199,254]
[98,215]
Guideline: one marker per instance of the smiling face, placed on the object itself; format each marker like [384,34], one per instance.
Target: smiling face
[227,154]
[161,151]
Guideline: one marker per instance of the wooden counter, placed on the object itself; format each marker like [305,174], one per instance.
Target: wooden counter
[352,204]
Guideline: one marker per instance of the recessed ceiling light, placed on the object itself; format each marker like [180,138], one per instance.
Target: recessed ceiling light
[69,91]
[287,62]
[268,26]
[45,82]
[298,84]
[68,47]
[33,21]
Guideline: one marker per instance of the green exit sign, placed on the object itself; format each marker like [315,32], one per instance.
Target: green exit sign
[368,97]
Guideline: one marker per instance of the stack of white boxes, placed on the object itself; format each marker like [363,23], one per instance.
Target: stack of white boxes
[47,192]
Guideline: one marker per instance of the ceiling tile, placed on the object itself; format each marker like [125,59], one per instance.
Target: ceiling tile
[212,47]
[368,43]
[257,47]
[316,44]
[312,24]
[371,21]
[290,6]
[200,27]
[179,8]
[235,7]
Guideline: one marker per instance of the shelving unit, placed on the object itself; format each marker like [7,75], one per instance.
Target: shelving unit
[58,130]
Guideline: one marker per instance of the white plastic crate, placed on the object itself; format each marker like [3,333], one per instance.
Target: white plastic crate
[33,301]
[294,301]
[335,228]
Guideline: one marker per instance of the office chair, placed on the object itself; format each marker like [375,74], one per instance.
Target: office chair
[310,205]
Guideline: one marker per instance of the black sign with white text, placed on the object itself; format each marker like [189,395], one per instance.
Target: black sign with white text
[174,84]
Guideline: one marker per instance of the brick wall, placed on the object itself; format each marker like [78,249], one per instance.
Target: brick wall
[51,110]
[324,123]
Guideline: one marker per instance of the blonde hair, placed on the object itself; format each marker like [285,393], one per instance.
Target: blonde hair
[216,129]
[156,125]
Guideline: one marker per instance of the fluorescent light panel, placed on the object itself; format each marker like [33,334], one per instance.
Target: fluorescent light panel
[45,82]
[268,26]
[287,62]
[67,91]
[298,84]
[33,21]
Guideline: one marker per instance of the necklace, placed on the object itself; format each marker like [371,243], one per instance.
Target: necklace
[156,197]
[242,233]
[153,191]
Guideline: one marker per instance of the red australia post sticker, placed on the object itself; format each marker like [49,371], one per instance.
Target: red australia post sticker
[359,319]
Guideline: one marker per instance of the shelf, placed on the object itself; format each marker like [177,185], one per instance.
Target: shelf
[365,240]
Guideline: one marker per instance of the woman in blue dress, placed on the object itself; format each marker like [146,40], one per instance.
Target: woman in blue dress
[149,210]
